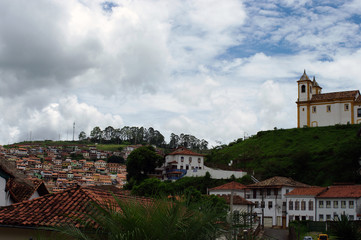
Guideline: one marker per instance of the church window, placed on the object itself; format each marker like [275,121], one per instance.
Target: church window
[303,88]
[314,109]
[328,108]
[346,107]
[359,112]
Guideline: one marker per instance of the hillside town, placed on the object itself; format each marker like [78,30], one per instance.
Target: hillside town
[61,167]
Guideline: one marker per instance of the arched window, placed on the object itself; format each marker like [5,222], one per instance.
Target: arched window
[303,88]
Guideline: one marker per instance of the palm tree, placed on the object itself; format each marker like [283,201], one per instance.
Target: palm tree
[158,220]
[344,229]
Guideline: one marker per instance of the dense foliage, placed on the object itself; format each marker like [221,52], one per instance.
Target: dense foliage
[311,155]
[160,220]
[141,162]
[155,188]
[141,135]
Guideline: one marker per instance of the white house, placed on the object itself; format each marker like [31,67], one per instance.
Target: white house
[323,109]
[301,203]
[235,188]
[338,200]
[180,161]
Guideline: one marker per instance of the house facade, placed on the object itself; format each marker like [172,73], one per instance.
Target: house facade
[324,109]
[270,200]
[302,203]
[180,161]
[324,203]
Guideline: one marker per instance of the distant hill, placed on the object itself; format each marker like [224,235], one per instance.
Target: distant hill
[317,156]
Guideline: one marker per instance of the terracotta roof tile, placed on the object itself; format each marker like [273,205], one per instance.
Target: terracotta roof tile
[335,96]
[230,186]
[237,200]
[184,151]
[57,208]
[278,182]
[342,191]
[307,191]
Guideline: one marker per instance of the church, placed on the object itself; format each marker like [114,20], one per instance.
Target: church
[324,109]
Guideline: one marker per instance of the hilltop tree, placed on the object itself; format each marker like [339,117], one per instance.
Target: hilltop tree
[142,161]
[82,136]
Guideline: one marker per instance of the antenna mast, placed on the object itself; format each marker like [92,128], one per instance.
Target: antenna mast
[73,130]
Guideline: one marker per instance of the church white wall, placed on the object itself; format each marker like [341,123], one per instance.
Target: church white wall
[303,116]
[337,115]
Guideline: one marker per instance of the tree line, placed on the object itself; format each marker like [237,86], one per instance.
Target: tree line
[141,135]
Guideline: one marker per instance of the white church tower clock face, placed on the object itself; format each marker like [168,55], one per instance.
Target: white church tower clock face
[324,109]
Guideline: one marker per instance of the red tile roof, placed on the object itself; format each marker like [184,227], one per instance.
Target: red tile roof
[237,200]
[342,191]
[308,191]
[278,182]
[335,96]
[59,208]
[184,151]
[230,186]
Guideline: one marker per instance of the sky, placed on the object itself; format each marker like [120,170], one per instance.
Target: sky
[219,70]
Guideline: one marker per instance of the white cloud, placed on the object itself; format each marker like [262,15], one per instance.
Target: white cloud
[213,69]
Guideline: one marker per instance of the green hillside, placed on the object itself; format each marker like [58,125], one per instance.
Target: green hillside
[318,156]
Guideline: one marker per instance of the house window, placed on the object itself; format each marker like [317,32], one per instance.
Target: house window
[254,193]
[313,109]
[257,204]
[190,159]
[351,217]
[310,89]
[328,204]
[291,218]
[270,204]
[335,204]
[359,112]
[320,217]
[320,204]
[303,205]
[303,109]
[268,192]
[182,159]
[303,88]
[199,160]
[310,205]
[310,218]
[290,205]
[343,204]
[350,204]
[297,205]
[328,108]
[346,107]
[328,217]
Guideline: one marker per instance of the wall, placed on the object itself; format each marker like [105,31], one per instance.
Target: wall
[216,174]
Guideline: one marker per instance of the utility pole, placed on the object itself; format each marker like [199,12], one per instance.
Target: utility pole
[73,130]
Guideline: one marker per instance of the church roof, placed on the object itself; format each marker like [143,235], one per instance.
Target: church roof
[304,77]
[335,96]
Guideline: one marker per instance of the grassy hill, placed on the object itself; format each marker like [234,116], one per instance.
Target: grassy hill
[318,156]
